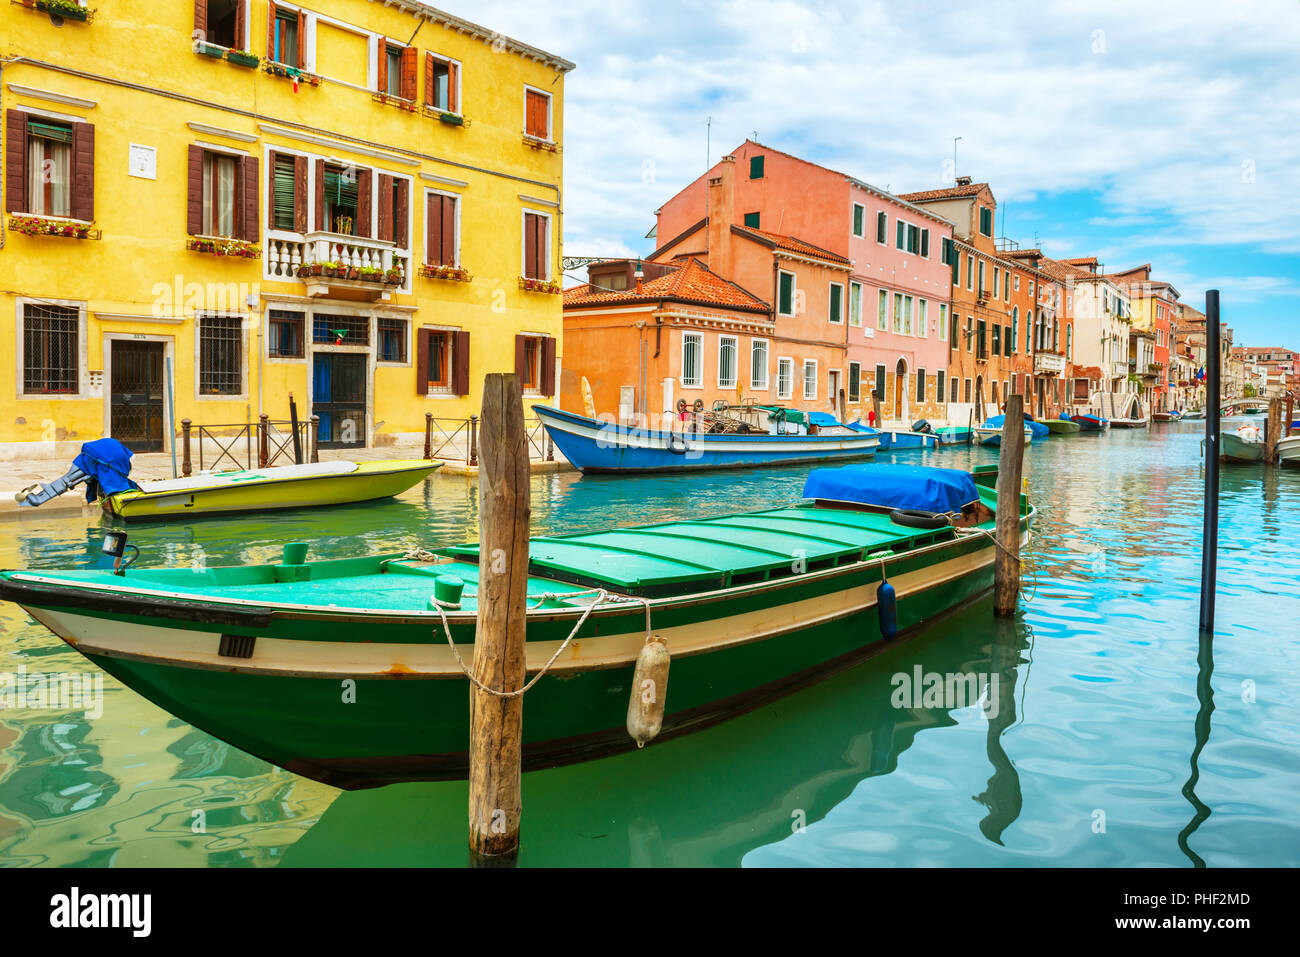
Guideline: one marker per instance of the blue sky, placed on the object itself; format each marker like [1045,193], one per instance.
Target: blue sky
[1156,132]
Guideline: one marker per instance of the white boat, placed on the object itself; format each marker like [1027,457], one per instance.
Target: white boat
[990,435]
[1288,450]
[1244,445]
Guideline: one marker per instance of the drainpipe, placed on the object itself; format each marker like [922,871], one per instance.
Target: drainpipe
[3,237]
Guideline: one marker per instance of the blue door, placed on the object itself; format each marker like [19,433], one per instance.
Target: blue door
[338,399]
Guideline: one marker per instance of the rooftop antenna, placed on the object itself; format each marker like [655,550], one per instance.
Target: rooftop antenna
[708,141]
[954,158]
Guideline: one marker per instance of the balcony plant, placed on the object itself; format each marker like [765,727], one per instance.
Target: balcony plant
[209,49]
[238,248]
[68,9]
[43,226]
[393,277]
[243,58]
[454,273]
[538,143]
[343,225]
[539,285]
[370,274]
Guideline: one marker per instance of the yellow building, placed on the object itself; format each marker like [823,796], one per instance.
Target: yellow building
[358,203]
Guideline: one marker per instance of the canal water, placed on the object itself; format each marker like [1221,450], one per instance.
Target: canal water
[1112,735]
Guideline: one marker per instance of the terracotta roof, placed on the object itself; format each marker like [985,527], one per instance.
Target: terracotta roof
[692,283]
[1087,372]
[790,244]
[1062,271]
[949,192]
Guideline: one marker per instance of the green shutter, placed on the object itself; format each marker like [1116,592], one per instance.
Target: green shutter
[785,299]
[882,227]
[751,220]
[282,201]
[756,167]
[859,214]
[925,244]
[902,234]
[836,304]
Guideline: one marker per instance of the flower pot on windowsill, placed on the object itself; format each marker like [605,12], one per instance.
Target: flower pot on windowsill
[393,277]
[42,226]
[452,273]
[451,119]
[540,285]
[241,58]
[63,8]
[209,49]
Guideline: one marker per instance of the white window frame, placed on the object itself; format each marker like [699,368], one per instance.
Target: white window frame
[970,272]
[83,349]
[794,293]
[735,361]
[550,113]
[941,386]
[460,199]
[806,364]
[882,321]
[787,363]
[698,338]
[460,74]
[854,216]
[755,385]
[831,298]
[920,385]
[922,318]
[880,213]
[523,238]
[410,342]
[849,384]
[855,321]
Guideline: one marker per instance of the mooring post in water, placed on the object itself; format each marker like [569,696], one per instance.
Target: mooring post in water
[1210,536]
[495,722]
[875,409]
[1274,429]
[1006,568]
[297,436]
[1290,414]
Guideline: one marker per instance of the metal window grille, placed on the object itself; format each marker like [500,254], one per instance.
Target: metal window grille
[221,355]
[341,330]
[392,340]
[50,349]
[285,334]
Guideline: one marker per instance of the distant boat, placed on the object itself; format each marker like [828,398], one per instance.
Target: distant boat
[1061,426]
[1134,423]
[953,435]
[1194,414]
[897,439]
[1165,416]
[990,433]
[1088,422]
[1246,444]
[596,446]
[1288,450]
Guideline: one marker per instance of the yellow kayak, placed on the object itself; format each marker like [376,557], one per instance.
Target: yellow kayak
[287,486]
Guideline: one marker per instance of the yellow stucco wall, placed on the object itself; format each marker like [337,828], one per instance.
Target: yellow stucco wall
[139,81]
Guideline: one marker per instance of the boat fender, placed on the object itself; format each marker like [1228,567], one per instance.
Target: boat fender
[677,444]
[886,607]
[645,705]
[916,518]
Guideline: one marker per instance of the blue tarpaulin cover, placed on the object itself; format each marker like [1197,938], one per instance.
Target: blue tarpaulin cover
[1036,428]
[108,463]
[823,420]
[894,486]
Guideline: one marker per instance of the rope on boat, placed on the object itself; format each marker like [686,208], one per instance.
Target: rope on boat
[1030,566]
[602,596]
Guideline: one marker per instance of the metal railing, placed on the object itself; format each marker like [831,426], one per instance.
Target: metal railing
[274,439]
[456,440]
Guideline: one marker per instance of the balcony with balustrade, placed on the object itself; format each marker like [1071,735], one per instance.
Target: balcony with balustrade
[1048,362]
[332,264]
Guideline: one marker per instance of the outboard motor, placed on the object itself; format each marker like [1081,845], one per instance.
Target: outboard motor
[103,466]
[42,492]
[923,426]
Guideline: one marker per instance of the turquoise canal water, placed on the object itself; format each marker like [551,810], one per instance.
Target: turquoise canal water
[1118,737]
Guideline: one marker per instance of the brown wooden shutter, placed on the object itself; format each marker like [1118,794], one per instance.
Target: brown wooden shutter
[453,87]
[401,213]
[300,193]
[319,221]
[410,82]
[449,231]
[83,171]
[543,246]
[270,31]
[548,366]
[428,79]
[460,363]
[16,162]
[364,203]
[302,40]
[422,362]
[381,48]
[250,230]
[385,230]
[530,246]
[241,14]
[194,193]
[433,230]
[521,358]
[201,19]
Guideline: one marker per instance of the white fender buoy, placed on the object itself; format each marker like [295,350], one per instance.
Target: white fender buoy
[645,704]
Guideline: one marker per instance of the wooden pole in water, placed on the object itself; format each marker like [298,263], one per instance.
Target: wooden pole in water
[496,723]
[1006,570]
[1274,430]
[1290,414]
[1210,534]
[875,408]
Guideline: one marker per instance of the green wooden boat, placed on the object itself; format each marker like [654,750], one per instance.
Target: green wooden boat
[339,669]
[1061,426]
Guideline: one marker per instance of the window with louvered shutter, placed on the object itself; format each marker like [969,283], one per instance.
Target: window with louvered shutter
[537,114]
[440,230]
[283,192]
[536,246]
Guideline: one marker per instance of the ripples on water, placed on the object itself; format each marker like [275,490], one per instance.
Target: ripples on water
[1087,761]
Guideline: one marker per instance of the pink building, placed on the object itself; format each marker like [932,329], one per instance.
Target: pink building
[898,287]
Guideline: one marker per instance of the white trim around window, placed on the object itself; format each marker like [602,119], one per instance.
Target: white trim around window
[83,375]
[784,370]
[727,376]
[418,255]
[794,293]
[810,375]
[860,233]
[835,318]
[550,112]
[756,366]
[693,341]
[523,239]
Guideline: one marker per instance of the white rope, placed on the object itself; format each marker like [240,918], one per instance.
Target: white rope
[601,596]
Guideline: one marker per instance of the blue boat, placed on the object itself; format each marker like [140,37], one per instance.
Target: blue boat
[1091,423]
[896,439]
[596,446]
[1033,425]
[990,433]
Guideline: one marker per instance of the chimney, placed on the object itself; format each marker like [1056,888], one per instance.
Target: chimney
[721,216]
[963,180]
[640,275]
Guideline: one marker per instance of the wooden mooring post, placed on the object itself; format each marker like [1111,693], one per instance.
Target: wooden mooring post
[1290,414]
[1274,429]
[263,440]
[495,722]
[1006,569]
[875,409]
[428,436]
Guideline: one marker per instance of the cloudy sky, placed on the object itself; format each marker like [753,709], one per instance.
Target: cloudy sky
[1139,132]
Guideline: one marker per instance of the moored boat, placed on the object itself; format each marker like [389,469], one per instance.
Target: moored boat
[1164,416]
[954,435]
[342,670]
[1288,450]
[1061,426]
[1246,444]
[1194,414]
[596,446]
[992,435]
[1088,422]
